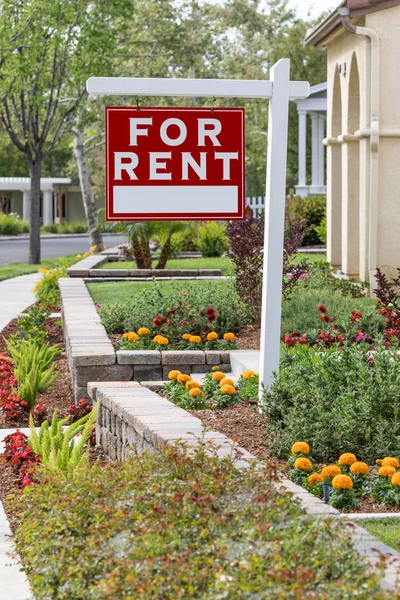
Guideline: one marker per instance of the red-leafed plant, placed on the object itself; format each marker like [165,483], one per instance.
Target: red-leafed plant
[81,409]
[40,413]
[20,456]
[388,294]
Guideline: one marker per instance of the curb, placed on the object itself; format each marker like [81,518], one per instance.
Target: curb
[51,236]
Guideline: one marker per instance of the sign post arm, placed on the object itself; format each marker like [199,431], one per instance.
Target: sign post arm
[274,223]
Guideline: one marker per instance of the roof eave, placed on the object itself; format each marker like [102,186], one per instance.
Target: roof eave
[325,29]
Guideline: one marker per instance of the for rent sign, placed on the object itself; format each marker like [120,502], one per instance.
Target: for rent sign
[175,163]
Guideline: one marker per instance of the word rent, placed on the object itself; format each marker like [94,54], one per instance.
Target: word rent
[158,170]
[188,163]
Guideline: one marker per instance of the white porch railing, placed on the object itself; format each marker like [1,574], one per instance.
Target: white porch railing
[257,205]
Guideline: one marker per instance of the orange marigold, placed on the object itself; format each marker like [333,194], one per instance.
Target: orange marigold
[195,339]
[229,336]
[390,461]
[247,374]
[173,374]
[156,338]
[303,464]
[300,448]
[182,378]
[379,461]
[387,471]
[215,368]
[226,381]
[342,482]
[330,471]
[395,479]
[314,478]
[192,384]
[195,392]
[143,331]
[359,468]
[186,336]
[133,336]
[347,459]
[163,341]
[228,389]
[212,336]
[218,375]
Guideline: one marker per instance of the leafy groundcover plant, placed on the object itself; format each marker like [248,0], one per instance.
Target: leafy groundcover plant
[169,526]
[339,400]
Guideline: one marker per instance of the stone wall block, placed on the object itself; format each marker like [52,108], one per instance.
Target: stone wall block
[138,357]
[185,369]
[179,357]
[213,357]
[145,373]
[82,375]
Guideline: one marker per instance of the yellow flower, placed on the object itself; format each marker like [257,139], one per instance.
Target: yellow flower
[229,336]
[228,389]
[186,336]
[212,336]
[39,282]
[390,461]
[163,341]
[182,378]
[347,459]
[93,248]
[78,256]
[173,374]
[195,392]
[359,468]
[133,336]
[303,464]
[156,338]
[192,384]
[125,335]
[43,270]
[247,374]
[226,381]
[342,482]
[218,375]
[395,479]
[387,471]
[314,478]
[34,289]
[330,471]
[143,331]
[195,339]
[215,368]
[379,461]
[300,447]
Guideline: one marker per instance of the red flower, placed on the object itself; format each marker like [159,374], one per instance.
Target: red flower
[210,311]
[322,308]
[336,327]
[325,318]
[184,323]
[340,337]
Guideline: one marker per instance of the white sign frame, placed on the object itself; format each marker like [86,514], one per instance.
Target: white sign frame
[279,90]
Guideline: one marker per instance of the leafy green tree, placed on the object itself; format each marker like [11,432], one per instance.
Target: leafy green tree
[48,48]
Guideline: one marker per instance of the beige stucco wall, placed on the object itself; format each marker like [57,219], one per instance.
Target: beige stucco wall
[348,236]
[75,210]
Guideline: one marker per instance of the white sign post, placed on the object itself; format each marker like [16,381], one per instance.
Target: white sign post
[279,90]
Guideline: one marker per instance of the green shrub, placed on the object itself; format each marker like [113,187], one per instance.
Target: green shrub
[50,228]
[12,224]
[33,367]
[167,526]
[73,227]
[61,449]
[336,400]
[30,324]
[46,289]
[320,277]
[212,240]
[184,242]
[311,208]
[231,312]
[300,312]
[320,230]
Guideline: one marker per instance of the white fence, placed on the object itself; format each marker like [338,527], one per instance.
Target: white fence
[257,205]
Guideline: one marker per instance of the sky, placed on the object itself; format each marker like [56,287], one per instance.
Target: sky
[317,6]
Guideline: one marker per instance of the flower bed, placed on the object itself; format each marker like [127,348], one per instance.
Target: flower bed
[348,482]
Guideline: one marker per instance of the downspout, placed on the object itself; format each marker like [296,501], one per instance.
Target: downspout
[344,12]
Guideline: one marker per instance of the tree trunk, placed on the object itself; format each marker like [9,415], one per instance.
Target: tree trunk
[35,168]
[96,238]
[146,253]
[137,252]
[164,256]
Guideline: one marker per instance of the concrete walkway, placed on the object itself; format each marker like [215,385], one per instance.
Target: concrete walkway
[16,295]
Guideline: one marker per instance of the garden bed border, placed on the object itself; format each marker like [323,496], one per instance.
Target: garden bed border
[133,418]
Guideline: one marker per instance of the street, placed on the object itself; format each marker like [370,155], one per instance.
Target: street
[16,250]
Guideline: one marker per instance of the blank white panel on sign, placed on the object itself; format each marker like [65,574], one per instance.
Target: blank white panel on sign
[175,199]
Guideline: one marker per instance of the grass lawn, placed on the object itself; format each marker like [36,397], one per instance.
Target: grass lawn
[21,268]
[225,263]
[386,530]
[119,291]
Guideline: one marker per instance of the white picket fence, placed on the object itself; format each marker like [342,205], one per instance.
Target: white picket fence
[257,205]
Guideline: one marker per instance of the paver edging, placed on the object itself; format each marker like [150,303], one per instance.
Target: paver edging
[132,417]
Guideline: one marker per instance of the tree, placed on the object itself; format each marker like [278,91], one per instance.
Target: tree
[48,48]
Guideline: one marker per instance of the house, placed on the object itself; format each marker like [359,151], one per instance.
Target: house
[362,38]
[60,200]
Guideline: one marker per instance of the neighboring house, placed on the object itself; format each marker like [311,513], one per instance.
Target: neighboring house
[60,201]
[362,38]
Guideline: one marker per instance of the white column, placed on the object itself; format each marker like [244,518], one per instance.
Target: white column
[274,223]
[321,151]
[47,207]
[302,147]
[314,149]
[26,205]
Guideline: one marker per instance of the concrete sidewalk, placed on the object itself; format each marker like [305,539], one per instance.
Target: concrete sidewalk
[16,295]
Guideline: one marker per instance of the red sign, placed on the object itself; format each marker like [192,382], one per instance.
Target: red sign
[174,164]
